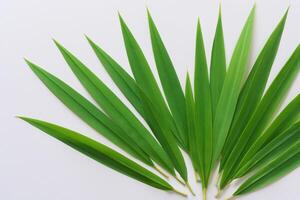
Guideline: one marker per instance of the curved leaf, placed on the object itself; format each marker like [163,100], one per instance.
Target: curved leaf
[90,114]
[100,153]
[118,112]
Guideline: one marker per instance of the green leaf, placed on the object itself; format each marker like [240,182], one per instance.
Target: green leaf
[253,89]
[231,88]
[145,79]
[90,114]
[121,78]
[280,143]
[284,120]
[190,113]
[169,80]
[217,65]
[100,153]
[263,114]
[203,111]
[275,169]
[118,111]
[163,134]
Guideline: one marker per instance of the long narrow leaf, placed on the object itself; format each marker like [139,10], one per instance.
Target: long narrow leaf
[217,65]
[203,111]
[163,134]
[231,88]
[145,78]
[100,153]
[263,114]
[118,112]
[275,169]
[253,89]
[190,110]
[169,80]
[285,119]
[89,113]
[272,149]
[121,78]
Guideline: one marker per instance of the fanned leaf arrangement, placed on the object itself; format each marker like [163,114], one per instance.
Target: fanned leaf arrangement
[223,115]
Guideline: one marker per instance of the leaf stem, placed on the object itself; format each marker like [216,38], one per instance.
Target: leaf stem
[230,198]
[190,188]
[179,180]
[204,193]
[179,192]
[219,193]
[161,172]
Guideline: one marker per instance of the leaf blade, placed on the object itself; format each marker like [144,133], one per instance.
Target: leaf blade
[231,88]
[145,78]
[263,113]
[89,113]
[217,65]
[203,110]
[253,89]
[118,111]
[100,153]
[169,80]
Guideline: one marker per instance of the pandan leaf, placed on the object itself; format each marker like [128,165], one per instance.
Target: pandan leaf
[279,144]
[163,134]
[100,153]
[90,114]
[263,114]
[121,78]
[285,119]
[253,89]
[231,88]
[145,79]
[271,172]
[203,112]
[118,112]
[169,80]
[217,65]
[190,109]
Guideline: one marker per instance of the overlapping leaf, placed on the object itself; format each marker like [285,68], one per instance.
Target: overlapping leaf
[285,119]
[223,118]
[253,89]
[231,88]
[145,79]
[275,169]
[90,114]
[169,80]
[263,114]
[272,149]
[118,112]
[121,78]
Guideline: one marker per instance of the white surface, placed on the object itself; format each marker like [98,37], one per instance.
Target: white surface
[34,166]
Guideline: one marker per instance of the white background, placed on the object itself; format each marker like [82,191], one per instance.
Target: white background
[34,166]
